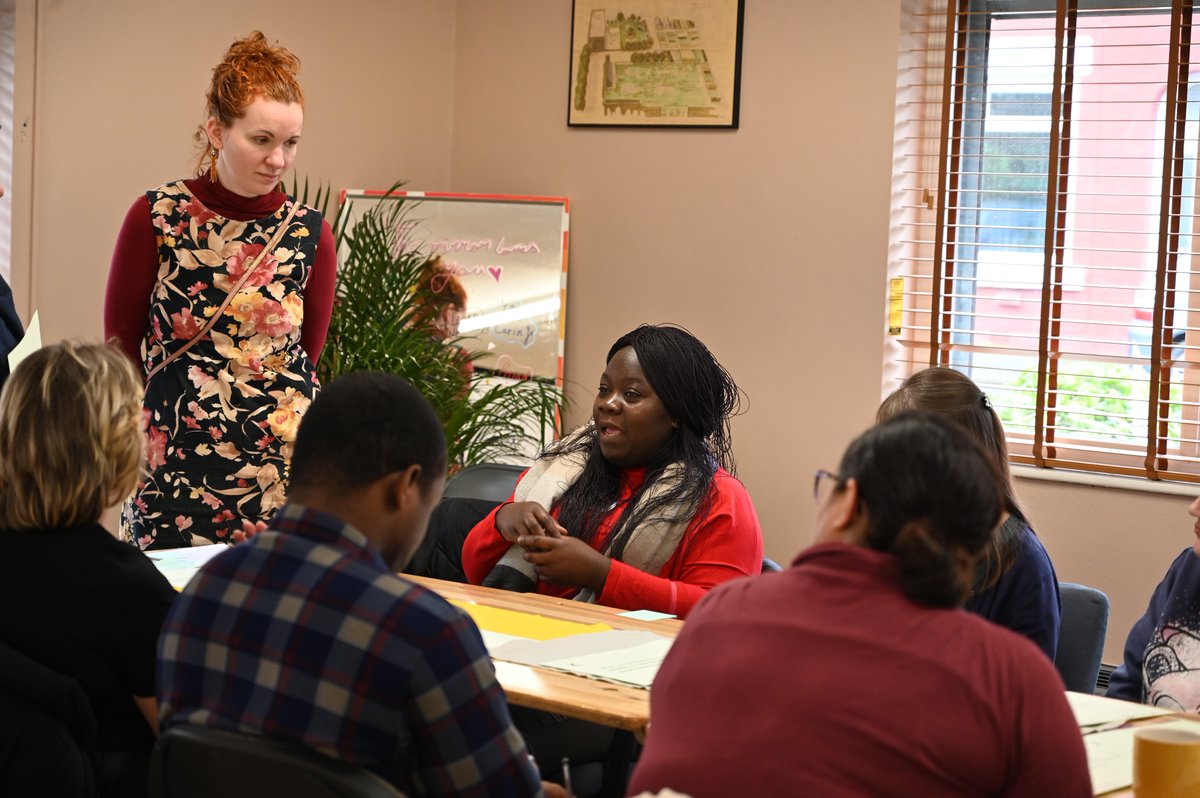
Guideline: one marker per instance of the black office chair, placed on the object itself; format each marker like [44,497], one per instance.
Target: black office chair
[1081,636]
[199,762]
[468,497]
[47,731]
[491,481]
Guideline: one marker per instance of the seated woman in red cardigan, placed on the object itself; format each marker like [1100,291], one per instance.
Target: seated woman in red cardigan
[637,509]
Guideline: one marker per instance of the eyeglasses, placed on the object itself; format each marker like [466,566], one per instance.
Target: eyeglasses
[824,483]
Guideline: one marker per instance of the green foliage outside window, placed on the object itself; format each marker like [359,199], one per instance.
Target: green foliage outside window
[1096,400]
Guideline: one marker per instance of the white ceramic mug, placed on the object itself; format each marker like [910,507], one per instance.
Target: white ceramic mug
[1166,763]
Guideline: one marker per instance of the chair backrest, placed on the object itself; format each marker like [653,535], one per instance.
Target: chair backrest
[491,481]
[770,566]
[1081,636]
[47,731]
[57,695]
[198,762]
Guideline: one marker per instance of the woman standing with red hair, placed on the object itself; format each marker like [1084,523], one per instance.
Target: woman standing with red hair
[221,288]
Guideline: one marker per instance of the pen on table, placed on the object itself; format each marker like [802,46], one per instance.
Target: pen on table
[566,768]
[1103,727]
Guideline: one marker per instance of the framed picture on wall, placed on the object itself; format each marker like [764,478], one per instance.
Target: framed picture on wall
[655,63]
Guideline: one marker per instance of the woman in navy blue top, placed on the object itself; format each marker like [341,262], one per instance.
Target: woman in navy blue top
[1016,586]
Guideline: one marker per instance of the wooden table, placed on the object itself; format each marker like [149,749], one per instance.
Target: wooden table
[1127,792]
[564,693]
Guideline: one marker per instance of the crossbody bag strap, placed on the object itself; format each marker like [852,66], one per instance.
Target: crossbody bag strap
[250,269]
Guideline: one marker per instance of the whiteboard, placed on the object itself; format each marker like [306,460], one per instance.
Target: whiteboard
[510,254]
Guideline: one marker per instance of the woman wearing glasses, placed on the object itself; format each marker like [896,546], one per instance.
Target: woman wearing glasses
[637,509]
[1015,585]
[854,672]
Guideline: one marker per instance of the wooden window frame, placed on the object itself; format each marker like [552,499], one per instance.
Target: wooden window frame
[928,315]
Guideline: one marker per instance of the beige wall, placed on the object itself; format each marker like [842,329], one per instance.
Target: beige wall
[769,242]
[120,89]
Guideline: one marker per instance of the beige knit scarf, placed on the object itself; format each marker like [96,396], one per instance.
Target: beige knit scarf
[649,546]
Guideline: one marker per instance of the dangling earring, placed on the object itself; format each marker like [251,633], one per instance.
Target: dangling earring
[212,164]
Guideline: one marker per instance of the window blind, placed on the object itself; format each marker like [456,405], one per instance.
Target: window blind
[1046,176]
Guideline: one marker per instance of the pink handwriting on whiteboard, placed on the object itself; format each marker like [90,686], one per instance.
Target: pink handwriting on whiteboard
[444,245]
[518,246]
[455,269]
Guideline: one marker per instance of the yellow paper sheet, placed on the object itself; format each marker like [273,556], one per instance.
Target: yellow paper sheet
[526,624]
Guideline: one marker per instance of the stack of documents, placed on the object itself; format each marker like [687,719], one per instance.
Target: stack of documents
[623,656]
[597,651]
[594,650]
[1109,741]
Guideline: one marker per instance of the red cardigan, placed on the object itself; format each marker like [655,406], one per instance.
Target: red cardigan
[724,544]
[134,269]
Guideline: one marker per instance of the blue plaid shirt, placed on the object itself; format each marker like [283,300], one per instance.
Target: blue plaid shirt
[304,634]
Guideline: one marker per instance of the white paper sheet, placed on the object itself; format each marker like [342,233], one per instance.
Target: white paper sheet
[636,665]
[1094,710]
[542,652]
[647,615]
[493,641]
[29,343]
[180,565]
[1110,755]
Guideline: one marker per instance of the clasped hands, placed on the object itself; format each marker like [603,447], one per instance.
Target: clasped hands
[555,555]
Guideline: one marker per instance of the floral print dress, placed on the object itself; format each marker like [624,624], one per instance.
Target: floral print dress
[222,417]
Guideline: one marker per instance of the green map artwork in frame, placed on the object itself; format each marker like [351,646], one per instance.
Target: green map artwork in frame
[655,63]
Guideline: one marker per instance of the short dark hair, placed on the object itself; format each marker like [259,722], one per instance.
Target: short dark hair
[362,427]
[931,494]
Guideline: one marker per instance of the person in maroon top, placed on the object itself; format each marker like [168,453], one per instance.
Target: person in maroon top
[220,289]
[855,672]
[637,509]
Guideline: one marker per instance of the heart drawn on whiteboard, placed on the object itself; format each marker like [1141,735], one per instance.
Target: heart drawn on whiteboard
[495,272]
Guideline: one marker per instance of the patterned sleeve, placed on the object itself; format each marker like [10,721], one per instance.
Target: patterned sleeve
[464,742]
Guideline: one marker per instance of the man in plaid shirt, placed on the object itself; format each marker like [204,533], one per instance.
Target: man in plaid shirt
[304,633]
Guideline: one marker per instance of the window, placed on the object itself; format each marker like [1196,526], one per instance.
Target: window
[1046,173]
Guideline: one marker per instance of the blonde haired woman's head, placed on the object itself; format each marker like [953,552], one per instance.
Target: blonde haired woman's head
[71,443]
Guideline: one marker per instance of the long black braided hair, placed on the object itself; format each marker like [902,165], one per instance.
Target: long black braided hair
[698,393]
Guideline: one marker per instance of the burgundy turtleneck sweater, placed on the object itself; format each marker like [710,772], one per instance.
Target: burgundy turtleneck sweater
[134,268]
